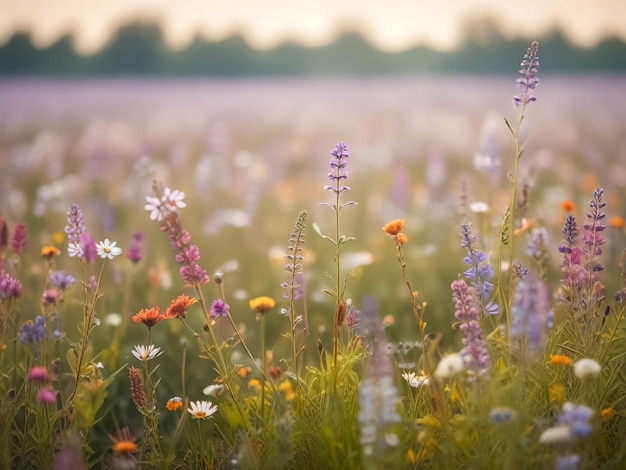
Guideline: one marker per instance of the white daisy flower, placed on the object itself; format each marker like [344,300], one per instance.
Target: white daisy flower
[155,208]
[107,249]
[173,200]
[145,353]
[586,369]
[74,249]
[201,409]
[214,389]
[415,381]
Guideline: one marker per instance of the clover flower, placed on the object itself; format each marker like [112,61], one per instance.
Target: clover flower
[46,396]
[201,409]
[37,374]
[108,249]
[18,244]
[146,353]
[10,288]
[219,308]
[528,80]
[136,389]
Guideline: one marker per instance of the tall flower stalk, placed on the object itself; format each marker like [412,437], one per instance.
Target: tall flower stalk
[525,85]
[337,175]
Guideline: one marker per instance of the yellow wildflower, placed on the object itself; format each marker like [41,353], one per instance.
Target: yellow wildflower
[262,304]
[560,360]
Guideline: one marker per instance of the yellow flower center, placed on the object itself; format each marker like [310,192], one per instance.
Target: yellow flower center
[200,414]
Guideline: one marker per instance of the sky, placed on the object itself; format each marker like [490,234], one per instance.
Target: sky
[388,24]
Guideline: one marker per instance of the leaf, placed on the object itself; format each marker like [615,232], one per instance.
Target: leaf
[319,232]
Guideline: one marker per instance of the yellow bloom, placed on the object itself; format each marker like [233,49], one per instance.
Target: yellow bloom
[49,251]
[560,360]
[123,442]
[393,227]
[262,304]
[287,389]
[174,403]
[254,384]
[607,413]
[557,394]
[244,372]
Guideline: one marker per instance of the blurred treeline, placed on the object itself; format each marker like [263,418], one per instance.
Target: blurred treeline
[139,48]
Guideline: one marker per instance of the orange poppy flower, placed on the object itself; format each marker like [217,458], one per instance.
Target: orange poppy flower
[149,316]
[178,307]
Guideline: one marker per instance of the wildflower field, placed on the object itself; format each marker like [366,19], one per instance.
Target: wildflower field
[286,273]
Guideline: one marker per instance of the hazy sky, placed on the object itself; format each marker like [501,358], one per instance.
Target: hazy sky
[390,24]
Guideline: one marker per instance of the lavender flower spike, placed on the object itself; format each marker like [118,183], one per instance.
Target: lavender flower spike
[475,354]
[75,226]
[528,80]
[337,167]
[592,238]
[480,271]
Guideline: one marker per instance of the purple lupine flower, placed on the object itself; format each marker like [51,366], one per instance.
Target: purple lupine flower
[537,243]
[75,226]
[10,287]
[219,308]
[528,80]
[475,352]
[480,271]
[19,238]
[33,333]
[186,254]
[135,249]
[572,268]
[529,315]
[577,417]
[592,238]
[337,166]
[61,280]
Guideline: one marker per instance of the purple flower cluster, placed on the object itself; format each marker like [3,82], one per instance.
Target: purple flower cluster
[10,287]
[475,352]
[219,308]
[75,226]
[592,235]
[19,238]
[187,255]
[480,271]
[338,164]
[576,418]
[61,280]
[530,313]
[33,333]
[528,80]
[135,248]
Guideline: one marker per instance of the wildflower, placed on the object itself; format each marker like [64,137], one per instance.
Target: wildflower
[587,369]
[107,249]
[149,316]
[556,393]
[262,304]
[213,390]
[90,250]
[136,389]
[275,372]
[173,200]
[160,208]
[502,415]
[591,237]
[567,462]
[479,207]
[568,206]
[123,443]
[556,435]
[49,252]
[10,288]
[560,360]
[219,308]
[337,165]
[61,280]
[528,80]
[529,315]
[243,371]
[33,333]
[617,221]
[155,208]
[475,351]
[449,366]
[576,417]
[394,227]
[286,388]
[607,413]
[178,307]
[146,353]
[75,250]
[75,226]
[378,398]
[415,381]
[254,384]
[46,396]
[50,297]
[480,271]
[174,403]
[201,409]
[69,456]
[38,374]
[135,249]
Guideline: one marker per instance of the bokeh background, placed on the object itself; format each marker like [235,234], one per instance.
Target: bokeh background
[240,103]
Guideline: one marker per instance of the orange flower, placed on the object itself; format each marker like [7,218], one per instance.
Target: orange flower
[174,403]
[568,206]
[394,227]
[178,307]
[244,372]
[262,304]
[149,316]
[49,251]
[123,442]
[401,239]
[560,360]
[617,221]
[607,413]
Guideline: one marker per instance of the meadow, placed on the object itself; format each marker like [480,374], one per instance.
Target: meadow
[326,273]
